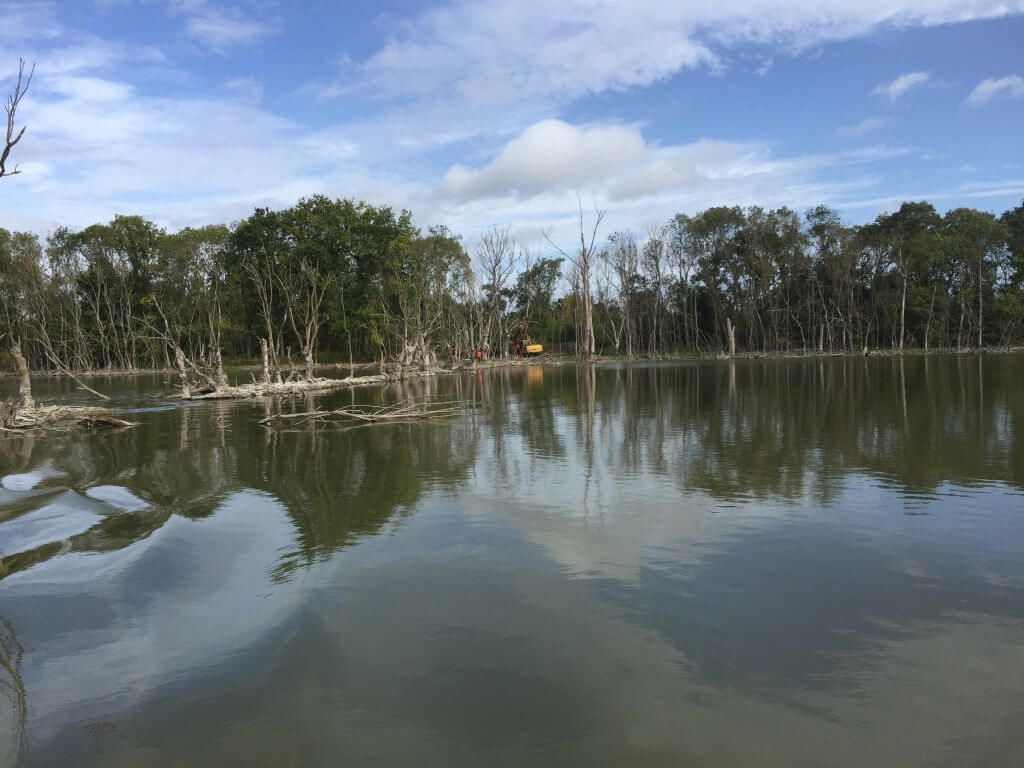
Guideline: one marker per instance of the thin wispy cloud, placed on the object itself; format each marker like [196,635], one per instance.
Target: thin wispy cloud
[1011,86]
[223,28]
[863,128]
[896,89]
[511,50]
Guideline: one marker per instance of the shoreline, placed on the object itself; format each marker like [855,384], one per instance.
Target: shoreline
[546,359]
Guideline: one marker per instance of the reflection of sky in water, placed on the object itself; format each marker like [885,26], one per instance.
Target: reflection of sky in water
[554,583]
[167,608]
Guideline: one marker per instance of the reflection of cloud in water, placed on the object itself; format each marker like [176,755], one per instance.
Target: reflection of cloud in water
[184,599]
[390,668]
[118,497]
[717,564]
[25,481]
[59,516]
[21,482]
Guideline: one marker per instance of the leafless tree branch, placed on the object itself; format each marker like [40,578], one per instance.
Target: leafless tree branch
[11,107]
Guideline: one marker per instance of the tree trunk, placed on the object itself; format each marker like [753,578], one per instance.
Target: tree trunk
[307,353]
[218,361]
[25,380]
[980,295]
[928,325]
[265,353]
[588,318]
[960,328]
[731,333]
[179,360]
[903,311]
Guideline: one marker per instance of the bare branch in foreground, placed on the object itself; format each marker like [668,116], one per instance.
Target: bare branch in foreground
[13,100]
[402,411]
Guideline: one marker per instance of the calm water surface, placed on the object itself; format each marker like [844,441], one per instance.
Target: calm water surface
[778,563]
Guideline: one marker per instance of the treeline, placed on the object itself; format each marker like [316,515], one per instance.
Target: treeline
[768,280]
[360,282]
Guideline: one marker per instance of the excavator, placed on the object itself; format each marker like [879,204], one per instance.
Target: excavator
[520,343]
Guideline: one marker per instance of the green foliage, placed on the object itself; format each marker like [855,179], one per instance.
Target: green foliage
[121,294]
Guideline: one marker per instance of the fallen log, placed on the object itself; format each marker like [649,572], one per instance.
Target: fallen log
[413,409]
[273,389]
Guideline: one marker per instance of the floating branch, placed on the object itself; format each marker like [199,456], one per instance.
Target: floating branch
[402,411]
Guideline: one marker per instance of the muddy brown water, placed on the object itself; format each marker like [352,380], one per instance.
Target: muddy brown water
[772,563]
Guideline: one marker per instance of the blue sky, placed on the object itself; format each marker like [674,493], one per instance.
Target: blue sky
[511,111]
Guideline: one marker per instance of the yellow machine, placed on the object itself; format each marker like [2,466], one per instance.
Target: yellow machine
[521,345]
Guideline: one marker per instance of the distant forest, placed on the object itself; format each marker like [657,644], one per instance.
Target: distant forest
[347,280]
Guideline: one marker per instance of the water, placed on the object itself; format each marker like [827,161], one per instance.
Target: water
[773,563]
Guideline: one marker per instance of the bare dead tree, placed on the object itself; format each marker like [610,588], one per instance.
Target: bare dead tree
[499,257]
[583,260]
[14,134]
[623,258]
[304,294]
[24,380]
[262,274]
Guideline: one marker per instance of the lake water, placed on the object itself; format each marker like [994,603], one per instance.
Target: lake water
[771,563]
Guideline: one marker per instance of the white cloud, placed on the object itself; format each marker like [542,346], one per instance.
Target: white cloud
[864,127]
[897,88]
[246,88]
[511,51]
[549,155]
[986,90]
[616,163]
[477,86]
[223,28]
[973,190]
[97,146]
[466,69]
[218,27]
[29,21]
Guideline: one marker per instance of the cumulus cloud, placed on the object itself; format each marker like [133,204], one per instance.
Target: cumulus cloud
[988,89]
[895,89]
[616,164]
[549,155]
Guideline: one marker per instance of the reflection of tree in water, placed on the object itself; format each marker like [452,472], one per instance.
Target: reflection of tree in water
[780,428]
[341,486]
[13,739]
[335,485]
[732,429]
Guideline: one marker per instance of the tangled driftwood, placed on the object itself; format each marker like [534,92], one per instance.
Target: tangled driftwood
[24,415]
[57,417]
[413,409]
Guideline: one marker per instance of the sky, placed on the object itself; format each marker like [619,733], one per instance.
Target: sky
[511,112]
